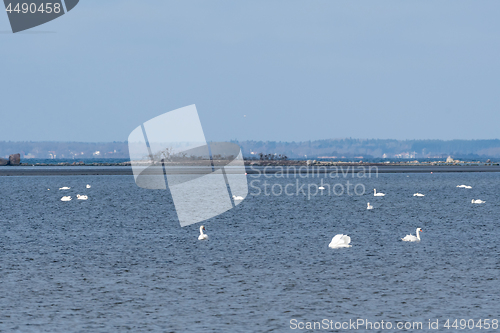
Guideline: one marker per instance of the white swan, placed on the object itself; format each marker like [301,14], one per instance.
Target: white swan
[66,198]
[88,186]
[81,197]
[375,194]
[321,188]
[477,201]
[202,236]
[64,188]
[411,238]
[369,206]
[419,195]
[237,197]
[339,241]
[464,186]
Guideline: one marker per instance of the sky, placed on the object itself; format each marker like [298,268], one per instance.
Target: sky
[281,70]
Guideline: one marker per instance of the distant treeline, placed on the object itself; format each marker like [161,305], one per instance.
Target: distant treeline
[65,150]
[333,148]
[374,148]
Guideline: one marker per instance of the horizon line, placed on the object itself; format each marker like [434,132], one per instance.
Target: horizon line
[254,140]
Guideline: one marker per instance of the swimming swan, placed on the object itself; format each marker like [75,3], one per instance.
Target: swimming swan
[88,186]
[477,201]
[81,197]
[202,236]
[65,188]
[375,194]
[321,188]
[237,197]
[464,186]
[369,206]
[66,198]
[339,241]
[411,238]
[419,195]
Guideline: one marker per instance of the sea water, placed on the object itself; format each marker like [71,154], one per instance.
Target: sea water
[121,262]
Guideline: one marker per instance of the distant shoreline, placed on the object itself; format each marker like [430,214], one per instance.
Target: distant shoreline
[95,170]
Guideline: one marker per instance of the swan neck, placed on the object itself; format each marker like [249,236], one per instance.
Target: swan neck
[201,231]
[418,234]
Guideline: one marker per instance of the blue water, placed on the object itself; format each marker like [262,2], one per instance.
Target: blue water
[120,261]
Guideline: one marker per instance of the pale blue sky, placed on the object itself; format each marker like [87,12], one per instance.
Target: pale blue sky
[298,70]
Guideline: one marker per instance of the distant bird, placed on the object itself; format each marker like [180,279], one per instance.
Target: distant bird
[464,186]
[477,201]
[375,194]
[64,188]
[88,186]
[321,188]
[66,198]
[237,197]
[369,206]
[81,197]
[419,195]
[339,241]
[202,236]
[411,238]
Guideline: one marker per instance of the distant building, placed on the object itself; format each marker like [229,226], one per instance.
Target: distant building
[405,155]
